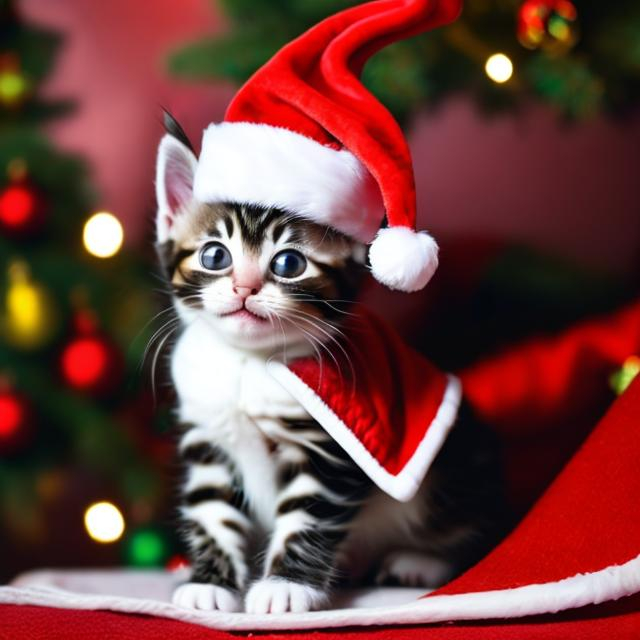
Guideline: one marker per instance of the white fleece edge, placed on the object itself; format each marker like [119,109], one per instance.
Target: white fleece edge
[405,484]
[611,583]
[275,167]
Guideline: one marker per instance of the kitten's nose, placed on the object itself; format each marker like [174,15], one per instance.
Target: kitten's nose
[245,292]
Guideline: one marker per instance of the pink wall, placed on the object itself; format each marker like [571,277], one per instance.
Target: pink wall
[573,191]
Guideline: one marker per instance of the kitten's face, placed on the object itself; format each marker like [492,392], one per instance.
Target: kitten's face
[261,278]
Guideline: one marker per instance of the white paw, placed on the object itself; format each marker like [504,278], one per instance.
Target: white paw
[412,569]
[277,595]
[207,597]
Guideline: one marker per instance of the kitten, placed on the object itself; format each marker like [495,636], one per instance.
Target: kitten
[273,511]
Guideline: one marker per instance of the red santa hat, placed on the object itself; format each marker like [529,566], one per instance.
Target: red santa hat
[303,134]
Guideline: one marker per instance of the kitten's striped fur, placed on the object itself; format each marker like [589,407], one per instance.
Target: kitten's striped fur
[273,510]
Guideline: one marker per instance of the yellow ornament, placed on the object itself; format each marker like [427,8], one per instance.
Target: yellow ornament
[14,86]
[30,316]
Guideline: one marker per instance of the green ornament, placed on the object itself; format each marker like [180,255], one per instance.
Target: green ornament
[146,548]
[623,377]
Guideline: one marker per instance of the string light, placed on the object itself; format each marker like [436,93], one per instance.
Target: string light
[103,235]
[104,522]
[498,67]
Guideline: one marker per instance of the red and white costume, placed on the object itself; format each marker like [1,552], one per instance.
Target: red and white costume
[387,406]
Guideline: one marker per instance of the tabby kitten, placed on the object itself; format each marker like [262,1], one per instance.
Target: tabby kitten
[273,511]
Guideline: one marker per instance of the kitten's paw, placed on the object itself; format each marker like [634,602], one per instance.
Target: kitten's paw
[207,597]
[412,569]
[277,595]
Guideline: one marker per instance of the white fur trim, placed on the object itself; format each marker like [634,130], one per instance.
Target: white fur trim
[403,259]
[405,484]
[274,167]
[610,583]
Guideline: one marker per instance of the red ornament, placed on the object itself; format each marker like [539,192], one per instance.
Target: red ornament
[22,208]
[90,362]
[176,563]
[17,206]
[15,423]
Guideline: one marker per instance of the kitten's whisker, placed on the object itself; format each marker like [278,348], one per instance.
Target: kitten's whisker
[155,336]
[324,322]
[314,318]
[327,301]
[337,343]
[284,335]
[292,316]
[155,361]
[312,340]
[160,313]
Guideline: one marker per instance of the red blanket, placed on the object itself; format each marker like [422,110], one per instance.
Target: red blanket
[577,550]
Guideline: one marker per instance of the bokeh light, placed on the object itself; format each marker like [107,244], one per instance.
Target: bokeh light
[84,362]
[11,415]
[13,86]
[499,67]
[17,205]
[146,548]
[103,235]
[104,522]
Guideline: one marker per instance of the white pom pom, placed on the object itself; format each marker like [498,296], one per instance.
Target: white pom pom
[403,259]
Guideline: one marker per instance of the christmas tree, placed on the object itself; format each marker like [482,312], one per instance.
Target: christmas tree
[76,423]
[583,58]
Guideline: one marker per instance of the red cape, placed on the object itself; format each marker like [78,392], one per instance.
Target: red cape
[387,406]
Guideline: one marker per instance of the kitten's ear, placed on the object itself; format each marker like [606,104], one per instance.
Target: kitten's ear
[175,169]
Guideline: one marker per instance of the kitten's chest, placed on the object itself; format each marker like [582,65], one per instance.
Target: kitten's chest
[214,382]
[231,400]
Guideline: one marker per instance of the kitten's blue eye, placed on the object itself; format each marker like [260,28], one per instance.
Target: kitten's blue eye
[215,257]
[289,264]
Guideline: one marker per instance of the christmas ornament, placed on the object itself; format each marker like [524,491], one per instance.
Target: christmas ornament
[622,378]
[15,420]
[14,85]
[102,235]
[16,417]
[22,207]
[31,316]
[176,563]
[146,548]
[104,522]
[90,362]
[548,24]
[308,102]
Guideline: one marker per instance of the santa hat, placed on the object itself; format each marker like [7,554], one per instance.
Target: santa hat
[304,135]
